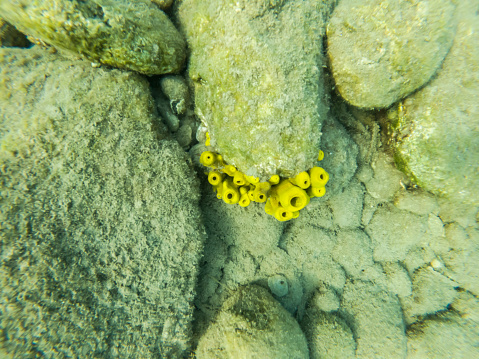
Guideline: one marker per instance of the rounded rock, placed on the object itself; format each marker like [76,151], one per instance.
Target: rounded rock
[252,324]
[436,132]
[382,50]
[133,35]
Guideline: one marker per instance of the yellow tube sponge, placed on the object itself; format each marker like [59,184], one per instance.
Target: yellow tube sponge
[301,180]
[291,197]
[261,192]
[320,155]
[208,158]
[271,205]
[244,200]
[219,190]
[273,208]
[252,179]
[282,214]
[319,177]
[230,192]
[283,197]
[251,194]
[316,191]
[259,196]
[274,180]
[230,170]
[239,179]
[215,178]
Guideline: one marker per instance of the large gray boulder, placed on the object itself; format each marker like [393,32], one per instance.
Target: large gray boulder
[100,228]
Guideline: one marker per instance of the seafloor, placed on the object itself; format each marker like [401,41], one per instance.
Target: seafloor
[114,245]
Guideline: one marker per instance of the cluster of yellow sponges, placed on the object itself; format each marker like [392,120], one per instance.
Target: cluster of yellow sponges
[284,197]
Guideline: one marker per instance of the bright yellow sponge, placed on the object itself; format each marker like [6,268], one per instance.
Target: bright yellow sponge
[301,180]
[283,198]
[230,192]
[319,177]
[291,197]
[208,158]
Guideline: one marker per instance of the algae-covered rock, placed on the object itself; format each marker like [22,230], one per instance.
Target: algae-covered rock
[452,334]
[257,68]
[437,132]
[134,35]
[382,50]
[100,228]
[252,324]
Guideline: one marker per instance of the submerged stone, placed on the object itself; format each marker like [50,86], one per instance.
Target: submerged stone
[258,80]
[133,35]
[100,228]
[436,132]
[252,324]
[382,50]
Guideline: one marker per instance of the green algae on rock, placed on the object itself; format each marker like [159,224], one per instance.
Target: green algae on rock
[100,230]
[436,131]
[252,324]
[257,68]
[133,35]
[382,50]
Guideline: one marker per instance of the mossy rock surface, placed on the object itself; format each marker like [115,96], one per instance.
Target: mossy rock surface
[134,35]
[252,324]
[257,69]
[437,142]
[382,50]
[100,230]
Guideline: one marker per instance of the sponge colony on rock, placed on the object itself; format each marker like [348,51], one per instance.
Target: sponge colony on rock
[284,197]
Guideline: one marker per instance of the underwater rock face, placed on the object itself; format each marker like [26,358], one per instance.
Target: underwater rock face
[437,131]
[133,35]
[100,230]
[380,51]
[258,78]
[252,324]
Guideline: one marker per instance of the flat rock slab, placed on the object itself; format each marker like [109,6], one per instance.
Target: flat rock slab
[100,225]
[380,51]
[134,35]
